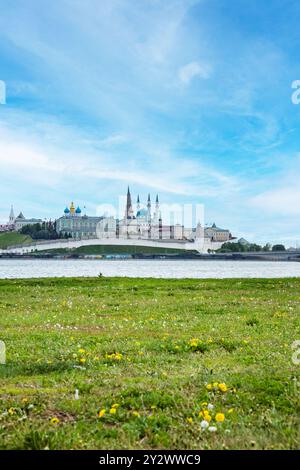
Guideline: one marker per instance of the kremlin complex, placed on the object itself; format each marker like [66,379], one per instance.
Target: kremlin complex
[138,223]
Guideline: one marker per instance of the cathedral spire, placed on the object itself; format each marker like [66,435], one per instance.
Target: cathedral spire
[11,216]
[138,202]
[129,210]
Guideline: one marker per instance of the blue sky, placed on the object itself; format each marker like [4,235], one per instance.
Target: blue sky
[187,98]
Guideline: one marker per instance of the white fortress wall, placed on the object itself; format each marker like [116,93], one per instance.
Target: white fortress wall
[201,245]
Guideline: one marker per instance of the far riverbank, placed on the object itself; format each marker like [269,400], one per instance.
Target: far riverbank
[246,256]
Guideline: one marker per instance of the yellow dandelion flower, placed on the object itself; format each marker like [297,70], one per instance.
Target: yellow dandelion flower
[223,387]
[24,400]
[81,351]
[82,360]
[220,417]
[209,386]
[113,411]
[11,411]
[189,420]
[115,405]
[215,384]
[102,413]
[54,421]
[207,417]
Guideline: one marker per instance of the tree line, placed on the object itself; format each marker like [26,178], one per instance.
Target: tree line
[43,231]
[229,247]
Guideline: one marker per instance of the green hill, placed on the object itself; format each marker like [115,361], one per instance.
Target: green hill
[115,250]
[13,238]
[124,250]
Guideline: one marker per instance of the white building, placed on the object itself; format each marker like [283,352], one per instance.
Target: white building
[21,221]
[17,223]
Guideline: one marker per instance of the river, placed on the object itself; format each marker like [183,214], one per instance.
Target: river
[27,268]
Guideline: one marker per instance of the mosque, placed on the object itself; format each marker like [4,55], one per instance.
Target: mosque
[140,224]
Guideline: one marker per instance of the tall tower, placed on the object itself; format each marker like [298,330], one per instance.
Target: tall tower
[129,210]
[149,210]
[138,206]
[157,212]
[12,218]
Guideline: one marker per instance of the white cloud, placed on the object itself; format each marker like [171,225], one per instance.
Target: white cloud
[38,155]
[192,70]
[283,201]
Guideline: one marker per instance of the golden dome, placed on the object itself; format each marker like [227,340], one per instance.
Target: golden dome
[72,208]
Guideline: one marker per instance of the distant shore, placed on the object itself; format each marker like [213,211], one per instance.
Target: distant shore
[250,256]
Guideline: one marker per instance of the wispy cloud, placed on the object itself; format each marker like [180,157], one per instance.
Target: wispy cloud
[192,70]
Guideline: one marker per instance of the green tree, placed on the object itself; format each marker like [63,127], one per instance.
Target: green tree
[278,247]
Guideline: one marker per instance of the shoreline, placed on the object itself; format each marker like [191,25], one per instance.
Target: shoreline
[266,256]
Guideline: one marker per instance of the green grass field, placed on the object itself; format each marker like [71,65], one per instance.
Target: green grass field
[149,358]
[13,238]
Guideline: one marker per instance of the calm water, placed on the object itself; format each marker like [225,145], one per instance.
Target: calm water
[149,268]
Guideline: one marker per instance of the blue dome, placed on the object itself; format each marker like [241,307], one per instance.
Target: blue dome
[78,210]
[67,210]
[142,213]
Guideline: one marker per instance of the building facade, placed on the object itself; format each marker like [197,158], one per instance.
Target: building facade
[74,224]
[17,223]
[217,234]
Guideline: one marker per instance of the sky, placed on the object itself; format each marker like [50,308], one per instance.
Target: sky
[191,99]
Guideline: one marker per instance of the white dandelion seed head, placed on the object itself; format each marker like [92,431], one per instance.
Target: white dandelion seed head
[204,424]
[212,428]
